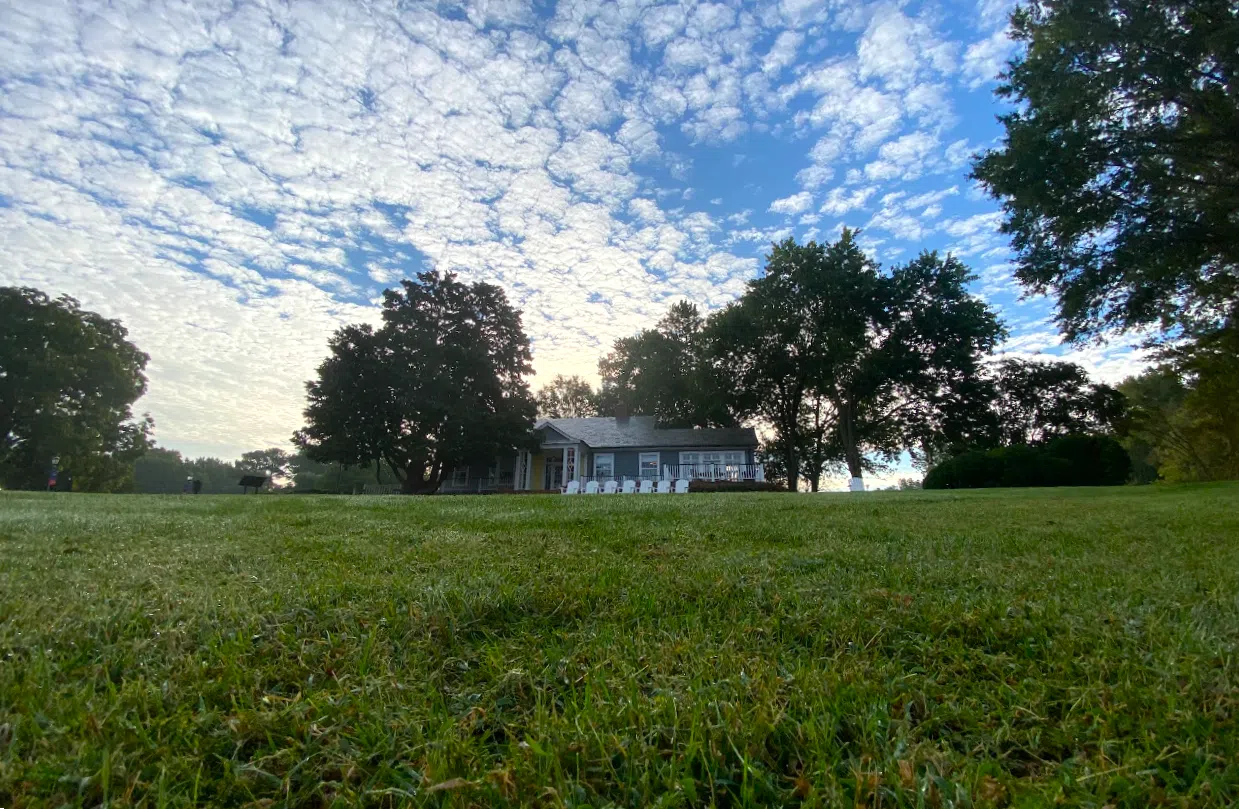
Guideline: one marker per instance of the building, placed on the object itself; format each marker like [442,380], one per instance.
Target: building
[615,448]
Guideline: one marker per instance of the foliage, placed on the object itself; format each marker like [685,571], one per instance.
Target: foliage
[272,462]
[567,397]
[1032,648]
[1036,401]
[1182,416]
[67,380]
[1067,460]
[845,363]
[664,372]
[1117,170]
[309,475]
[440,384]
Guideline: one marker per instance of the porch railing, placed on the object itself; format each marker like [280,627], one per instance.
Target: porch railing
[736,472]
[491,483]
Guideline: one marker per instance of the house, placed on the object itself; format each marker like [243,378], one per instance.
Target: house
[616,448]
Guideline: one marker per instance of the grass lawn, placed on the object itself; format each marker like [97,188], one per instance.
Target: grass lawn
[1024,648]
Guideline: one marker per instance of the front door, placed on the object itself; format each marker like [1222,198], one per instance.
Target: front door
[554,472]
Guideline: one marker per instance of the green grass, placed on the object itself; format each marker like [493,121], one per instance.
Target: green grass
[1027,648]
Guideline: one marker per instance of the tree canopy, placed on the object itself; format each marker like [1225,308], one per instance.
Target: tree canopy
[1037,401]
[1119,169]
[440,384]
[68,378]
[664,372]
[567,397]
[846,362]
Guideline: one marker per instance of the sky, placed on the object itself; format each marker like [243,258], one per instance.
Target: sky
[236,180]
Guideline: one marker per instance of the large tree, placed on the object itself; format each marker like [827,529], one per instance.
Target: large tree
[1036,401]
[567,397]
[68,378]
[272,462]
[664,372]
[440,384]
[848,364]
[1119,170]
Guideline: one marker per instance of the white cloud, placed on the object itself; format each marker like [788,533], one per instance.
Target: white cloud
[986,58]
[783,52]
[839,201]
[794,204]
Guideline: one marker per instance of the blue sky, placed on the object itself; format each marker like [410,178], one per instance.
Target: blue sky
[235,180]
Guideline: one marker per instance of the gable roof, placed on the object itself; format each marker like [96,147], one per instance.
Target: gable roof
[641,431]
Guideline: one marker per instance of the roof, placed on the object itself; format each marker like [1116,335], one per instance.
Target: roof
[640,431]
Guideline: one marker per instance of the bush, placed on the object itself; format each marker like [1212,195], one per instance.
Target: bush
[734,486]
[1072,460]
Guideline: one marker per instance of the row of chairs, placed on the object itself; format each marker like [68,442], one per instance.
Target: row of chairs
[628,487]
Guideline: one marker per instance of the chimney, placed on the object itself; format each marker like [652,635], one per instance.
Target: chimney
[621,414]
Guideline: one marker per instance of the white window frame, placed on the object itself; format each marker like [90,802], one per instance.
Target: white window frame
[456,476]
[641,461]
[610,458]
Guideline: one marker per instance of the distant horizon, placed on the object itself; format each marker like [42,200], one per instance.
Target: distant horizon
[234,185]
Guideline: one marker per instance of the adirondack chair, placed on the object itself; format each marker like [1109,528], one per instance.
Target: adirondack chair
[591,487]
[681,486]
[664,487]
[647,486]
[574,487]
[609,488]
[630,487]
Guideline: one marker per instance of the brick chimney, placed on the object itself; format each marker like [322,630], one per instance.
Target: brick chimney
[621,414]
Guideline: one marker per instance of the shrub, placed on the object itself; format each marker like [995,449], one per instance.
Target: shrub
[734,486]
[1072,460]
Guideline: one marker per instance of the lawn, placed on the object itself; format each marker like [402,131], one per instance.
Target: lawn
[1024,648]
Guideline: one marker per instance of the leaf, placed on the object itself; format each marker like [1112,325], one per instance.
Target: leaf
[451,783]
[907,774]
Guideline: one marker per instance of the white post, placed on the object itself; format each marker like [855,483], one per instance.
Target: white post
[563,470]
[528,470]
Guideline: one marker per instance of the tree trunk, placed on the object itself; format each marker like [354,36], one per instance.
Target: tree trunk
[847,439]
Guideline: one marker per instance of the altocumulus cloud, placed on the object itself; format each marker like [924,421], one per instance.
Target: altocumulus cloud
[237,179]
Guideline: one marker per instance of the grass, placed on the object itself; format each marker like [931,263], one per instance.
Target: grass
[1024,648]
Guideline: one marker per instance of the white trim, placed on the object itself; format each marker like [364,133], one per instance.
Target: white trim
[610,456]
[641,459]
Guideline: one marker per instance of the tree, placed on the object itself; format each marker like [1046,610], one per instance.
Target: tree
[272,463]
[1036,401]
[845,363]
[567,397]
[664,372]
[68,378]
[1181,416]
[440,384]
[1118,168]
[310,475]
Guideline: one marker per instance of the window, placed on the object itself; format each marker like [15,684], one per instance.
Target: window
[649,465]
[460,475]
[604,465]
[726,458]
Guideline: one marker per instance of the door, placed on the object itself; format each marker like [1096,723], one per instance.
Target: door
[554,472]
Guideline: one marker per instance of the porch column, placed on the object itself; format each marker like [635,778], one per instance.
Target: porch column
[563,475]
[528,475]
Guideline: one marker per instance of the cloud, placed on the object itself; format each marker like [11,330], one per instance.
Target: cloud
[796,203]
[986,58]
[235,180]
[839,201]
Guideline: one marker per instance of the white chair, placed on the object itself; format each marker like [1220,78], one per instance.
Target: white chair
[681,486]
[609,488]
[591,487]
[630,487]
[574,487]
[647,486]
[664,487]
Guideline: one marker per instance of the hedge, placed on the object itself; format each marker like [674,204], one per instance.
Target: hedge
[1070,460]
